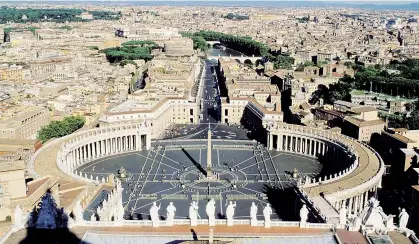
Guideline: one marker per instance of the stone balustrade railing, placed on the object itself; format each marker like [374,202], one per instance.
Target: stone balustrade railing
[31,163]
[310,182]
[149,223]
[364,186]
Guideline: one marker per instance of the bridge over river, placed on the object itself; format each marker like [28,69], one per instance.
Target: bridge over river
[241,58]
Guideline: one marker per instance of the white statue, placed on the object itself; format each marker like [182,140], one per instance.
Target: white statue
[253,214]
[342,215]
[230,212]
[93,218]
[389,221]
[193,213]
[267,211]
[154,214]
[403,219]
[303,214]
[210,209]
[78,212]
[18,217]
[171,209]
[120,211]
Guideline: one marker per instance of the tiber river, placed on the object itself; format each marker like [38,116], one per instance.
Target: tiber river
[218,50]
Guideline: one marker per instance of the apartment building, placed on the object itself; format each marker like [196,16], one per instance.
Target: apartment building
[23,122]
[363,124]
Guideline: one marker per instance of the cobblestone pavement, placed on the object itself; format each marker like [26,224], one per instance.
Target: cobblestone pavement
[169,173]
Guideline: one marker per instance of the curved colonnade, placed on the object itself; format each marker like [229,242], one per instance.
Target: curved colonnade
[361,167]
[90,145]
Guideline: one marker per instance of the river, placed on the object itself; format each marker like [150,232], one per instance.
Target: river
[215,51]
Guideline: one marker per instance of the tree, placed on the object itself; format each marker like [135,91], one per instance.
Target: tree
[61,128]
[413,120]
[240,43]
[132,51]
[283,62]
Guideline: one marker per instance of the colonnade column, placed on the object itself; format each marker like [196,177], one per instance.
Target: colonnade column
[94,150]
[138,142]
[148,142]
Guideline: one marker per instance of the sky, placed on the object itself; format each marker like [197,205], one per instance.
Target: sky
[376,2]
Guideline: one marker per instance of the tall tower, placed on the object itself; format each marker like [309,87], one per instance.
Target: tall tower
[209,149]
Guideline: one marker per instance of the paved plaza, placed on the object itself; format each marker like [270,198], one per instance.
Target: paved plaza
[174,171]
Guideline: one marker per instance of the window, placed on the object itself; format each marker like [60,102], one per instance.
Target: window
[191,111]
[226,112]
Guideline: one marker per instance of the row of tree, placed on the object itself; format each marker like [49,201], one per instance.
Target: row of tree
[243,44]
[8,14]
[399,79]
[131,50]
[236,16]
[61,128]
[403,80]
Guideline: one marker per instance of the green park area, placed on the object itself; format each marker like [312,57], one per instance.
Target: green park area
[16,15]
[129,51]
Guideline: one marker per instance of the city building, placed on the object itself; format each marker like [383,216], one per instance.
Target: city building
[23,122]
[363,124]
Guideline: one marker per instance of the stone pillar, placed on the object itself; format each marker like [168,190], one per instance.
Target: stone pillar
[315,148]
[113,142]
[148,140]
[128,142]
[302,145]
[299,143]
[77,156]
[121,143]
[286,143]
[356,205]
[137,142]
[324,148]
[73,154]
[309,146]
[361,202]
[278,141]
[110,144]
[350,205]
[365,199]
[94,149]
[84,153]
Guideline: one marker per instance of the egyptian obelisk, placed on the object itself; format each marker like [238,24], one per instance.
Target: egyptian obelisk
[209,149]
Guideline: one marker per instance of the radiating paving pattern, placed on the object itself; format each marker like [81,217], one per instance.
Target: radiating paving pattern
[170,173]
